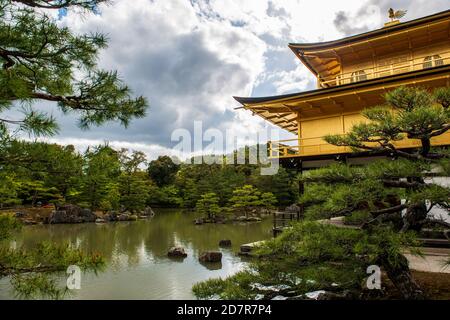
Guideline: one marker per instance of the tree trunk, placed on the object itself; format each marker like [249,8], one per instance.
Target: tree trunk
[401,277]
[426,146]
[415,215]
[33,199]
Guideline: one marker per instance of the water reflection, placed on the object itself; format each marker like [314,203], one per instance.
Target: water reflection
[136,254]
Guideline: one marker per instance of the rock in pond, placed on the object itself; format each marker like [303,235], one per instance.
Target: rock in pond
[100,220]
[148,212]
[125,216]
[71,214]
[20,214]
[177,252]
[225,243]
[198,221]
[211,256]
[29,222]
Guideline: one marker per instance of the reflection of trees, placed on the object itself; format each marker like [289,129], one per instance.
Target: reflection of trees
[125,242]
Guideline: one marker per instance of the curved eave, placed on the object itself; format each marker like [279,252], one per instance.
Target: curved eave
[374,33]
[248,102]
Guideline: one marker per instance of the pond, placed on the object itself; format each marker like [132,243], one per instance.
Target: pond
[136,254]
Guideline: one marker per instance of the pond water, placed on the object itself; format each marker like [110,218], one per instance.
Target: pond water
[136,254]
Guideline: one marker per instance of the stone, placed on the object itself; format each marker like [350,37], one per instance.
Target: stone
[198,221]
[344,295]
[100,220]
[29,222]
[177,252]
[71,214]
[279,297]
[211,256]
[315,295]
[126,216]
[123,217]
[253,219]
[148,212]
[225,243]
[20,215]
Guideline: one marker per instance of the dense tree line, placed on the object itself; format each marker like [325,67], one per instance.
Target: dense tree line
[102,178]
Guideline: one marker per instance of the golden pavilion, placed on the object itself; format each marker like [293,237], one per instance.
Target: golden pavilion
[352,74]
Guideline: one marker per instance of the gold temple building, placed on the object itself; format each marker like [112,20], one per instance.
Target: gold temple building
[352,74]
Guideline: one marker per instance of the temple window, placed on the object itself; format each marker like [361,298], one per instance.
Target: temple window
[432,61]
[359,75]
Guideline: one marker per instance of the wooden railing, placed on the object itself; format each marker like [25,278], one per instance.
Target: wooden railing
[317,146]
[284,219]
[384,71]
[295,147]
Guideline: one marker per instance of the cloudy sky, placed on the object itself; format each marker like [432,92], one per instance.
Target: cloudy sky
[189,57]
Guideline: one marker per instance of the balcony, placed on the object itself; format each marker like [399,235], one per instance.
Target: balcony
[290,148]
[383,69]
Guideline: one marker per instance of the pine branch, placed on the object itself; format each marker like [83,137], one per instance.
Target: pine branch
[394,209]
[52,4]
[403,184]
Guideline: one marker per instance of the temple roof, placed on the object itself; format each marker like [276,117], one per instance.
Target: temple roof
[324,58]
[282,110]
[364,36]
[248,101]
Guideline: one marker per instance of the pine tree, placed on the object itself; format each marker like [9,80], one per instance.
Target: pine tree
[102,168]
[208,205]
[268,200]
[246,198]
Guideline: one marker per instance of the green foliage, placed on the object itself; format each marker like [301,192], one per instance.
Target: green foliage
[310,256]
[8,190]
[101,169]
[36,190]
[357,218]
[236,287]
[268,200]
[35,171]
[162,170]
[409,112]
[134,184]
[135,188]
[208,205]
[245,198]
[8,225]
[111,198]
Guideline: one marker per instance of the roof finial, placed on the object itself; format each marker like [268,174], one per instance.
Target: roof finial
[396,14]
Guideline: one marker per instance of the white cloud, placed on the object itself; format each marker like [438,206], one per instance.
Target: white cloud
[190,57]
